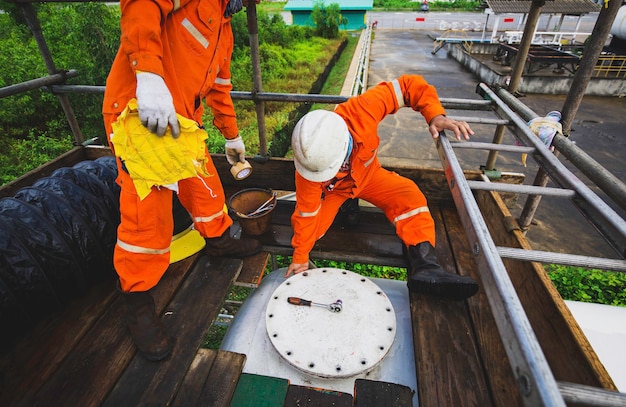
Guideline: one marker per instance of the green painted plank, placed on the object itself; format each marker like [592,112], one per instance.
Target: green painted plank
[259,391]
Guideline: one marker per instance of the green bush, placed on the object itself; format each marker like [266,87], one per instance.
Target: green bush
[573,283]
[368,270]
[589,285]
[83,37]
[327,19]
[18,156]
[292,58]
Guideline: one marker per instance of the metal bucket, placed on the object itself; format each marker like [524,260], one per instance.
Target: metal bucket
[253,207]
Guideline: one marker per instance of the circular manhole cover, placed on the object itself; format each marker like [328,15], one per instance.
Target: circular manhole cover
[330,344]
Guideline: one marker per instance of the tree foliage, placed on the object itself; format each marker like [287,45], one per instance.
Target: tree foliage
[83,37]
[327,19]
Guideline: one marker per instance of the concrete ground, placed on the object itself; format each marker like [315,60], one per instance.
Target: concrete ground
[598,130]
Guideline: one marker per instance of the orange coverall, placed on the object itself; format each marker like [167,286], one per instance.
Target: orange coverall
[400,199]
[189,44]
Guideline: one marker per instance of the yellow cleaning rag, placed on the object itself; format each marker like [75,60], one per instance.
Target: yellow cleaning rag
[158,161]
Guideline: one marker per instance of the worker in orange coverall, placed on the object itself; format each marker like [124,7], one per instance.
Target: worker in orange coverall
[335,159]
[173,55]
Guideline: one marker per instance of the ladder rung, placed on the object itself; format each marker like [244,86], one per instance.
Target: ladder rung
[521,189]
[475,145]
[562,258]
[481,120]
[591,396]
[466,104]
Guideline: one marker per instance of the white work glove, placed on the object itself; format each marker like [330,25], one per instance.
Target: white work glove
[235,150]
[155,104]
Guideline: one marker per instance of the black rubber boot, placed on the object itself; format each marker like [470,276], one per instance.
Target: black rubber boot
[350,213]
[426,276]
[148,332]
[226,246]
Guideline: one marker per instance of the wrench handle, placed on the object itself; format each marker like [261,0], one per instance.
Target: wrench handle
[299,301]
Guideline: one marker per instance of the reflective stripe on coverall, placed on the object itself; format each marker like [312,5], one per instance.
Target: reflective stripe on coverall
[399,198]
[189,43]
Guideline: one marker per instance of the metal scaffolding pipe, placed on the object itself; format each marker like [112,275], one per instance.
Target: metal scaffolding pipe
[602,216]
[448,103]
[562,258]
[480,120]
[605,180]
[608,183]
[595,44]
[36,83]
[474,145]
[253,33]
[30,16]
[521,189]
[524,46]
[82,89]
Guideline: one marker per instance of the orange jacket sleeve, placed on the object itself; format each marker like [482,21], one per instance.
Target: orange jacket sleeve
[363,113]
[305,218]
[421,96]
[140,25]
[218,98]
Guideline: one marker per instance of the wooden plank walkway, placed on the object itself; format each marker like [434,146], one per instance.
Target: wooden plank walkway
[84,356]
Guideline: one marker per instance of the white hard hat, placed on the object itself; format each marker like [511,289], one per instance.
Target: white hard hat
[320,143]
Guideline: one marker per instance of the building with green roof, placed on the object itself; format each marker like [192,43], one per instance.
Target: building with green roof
[354,11]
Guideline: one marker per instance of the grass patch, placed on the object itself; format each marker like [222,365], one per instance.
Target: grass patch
[589,285]
[337,77]
[214,336]
[306,61]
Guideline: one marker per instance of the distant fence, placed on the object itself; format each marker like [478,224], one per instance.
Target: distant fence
[610,66]
[423,21]
[544,37]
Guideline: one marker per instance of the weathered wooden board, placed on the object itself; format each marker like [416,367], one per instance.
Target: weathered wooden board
[89,372]
[301,396]
[44,348]
[195,378]
[554,325]
[447,358]
[278,174]
[221,383]
[498,371]
[252,270]
[372,393]
[188,317]
[361,243]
